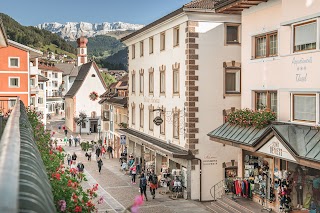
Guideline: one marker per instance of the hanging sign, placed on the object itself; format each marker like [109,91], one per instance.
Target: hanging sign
[157,121]
[123,139]
[275,148]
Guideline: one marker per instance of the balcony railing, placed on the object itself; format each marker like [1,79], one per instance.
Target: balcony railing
[23,178]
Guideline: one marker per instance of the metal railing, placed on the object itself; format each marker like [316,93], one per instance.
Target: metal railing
[24,183]
[218,189]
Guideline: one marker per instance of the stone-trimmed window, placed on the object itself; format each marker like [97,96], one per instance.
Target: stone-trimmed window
[150,45]
[133,51]
[305,36]
[151,117]
[176,123]
[133,113]
[162,80]
[151,81]
[232,77]
[141,115]
[141,80]
[141,49]
[162,41]
[176,36]
[232,33]
[163,125]
[133,82]
[176,78]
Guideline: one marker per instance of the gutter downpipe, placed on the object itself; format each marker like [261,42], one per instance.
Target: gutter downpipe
[190,156]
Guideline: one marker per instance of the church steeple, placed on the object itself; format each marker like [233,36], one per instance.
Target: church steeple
[82,50]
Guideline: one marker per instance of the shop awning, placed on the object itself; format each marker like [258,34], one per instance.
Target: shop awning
[158,144]
[299,141]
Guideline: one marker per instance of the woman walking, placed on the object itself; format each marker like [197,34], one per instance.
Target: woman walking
[143,186]
[100,164]
[133,169]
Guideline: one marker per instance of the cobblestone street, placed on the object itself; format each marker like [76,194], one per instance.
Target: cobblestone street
[116,188]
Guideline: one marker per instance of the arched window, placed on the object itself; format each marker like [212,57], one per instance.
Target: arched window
[93,114]
[93,75]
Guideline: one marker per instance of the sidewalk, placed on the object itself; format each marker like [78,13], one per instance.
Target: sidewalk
[116,188]
[119,193]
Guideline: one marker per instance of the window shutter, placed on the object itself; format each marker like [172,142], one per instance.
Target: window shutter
[305,107]
[306,34]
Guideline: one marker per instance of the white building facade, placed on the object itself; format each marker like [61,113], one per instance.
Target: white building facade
[53,88]
[184,68]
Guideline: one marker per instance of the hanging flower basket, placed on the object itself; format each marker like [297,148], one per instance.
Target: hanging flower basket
[93,96]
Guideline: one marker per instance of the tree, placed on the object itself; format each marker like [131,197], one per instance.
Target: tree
[81,120]
[108,79]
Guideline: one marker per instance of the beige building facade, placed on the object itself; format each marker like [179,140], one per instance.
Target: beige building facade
[184,68]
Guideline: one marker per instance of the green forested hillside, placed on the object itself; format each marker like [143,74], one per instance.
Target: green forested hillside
[117,61]
[102,46]
[32,36]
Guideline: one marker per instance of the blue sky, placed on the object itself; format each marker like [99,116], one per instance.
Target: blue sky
[33,12]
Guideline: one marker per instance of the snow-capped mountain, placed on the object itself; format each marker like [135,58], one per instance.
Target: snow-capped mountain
[72,30]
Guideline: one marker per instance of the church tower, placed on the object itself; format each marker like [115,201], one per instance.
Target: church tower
[82,50]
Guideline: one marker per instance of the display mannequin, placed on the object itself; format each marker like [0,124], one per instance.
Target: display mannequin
[298,182]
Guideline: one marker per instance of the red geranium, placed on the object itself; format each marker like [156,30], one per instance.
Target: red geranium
[78,209]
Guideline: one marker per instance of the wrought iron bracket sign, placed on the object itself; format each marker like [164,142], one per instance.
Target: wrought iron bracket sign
[157,121]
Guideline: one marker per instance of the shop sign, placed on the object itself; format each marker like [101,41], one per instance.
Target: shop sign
[123,139]
[275,148]
[301,66]
[151,100]
[157,120]
[209,160]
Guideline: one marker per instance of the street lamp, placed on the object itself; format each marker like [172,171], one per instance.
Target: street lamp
[99,128]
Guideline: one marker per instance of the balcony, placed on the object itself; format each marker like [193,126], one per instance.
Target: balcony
[34,90]
[22,173]
[34,70]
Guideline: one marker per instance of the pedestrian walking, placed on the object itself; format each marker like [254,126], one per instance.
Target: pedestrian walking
[98,152]
[100,164]
[80,167]
[73,169]
[65,132]
[65,140]
[59,128]
[133,169]
[103,150]
[75,141]
[70,142]
[69,159]
[74,157]
[153,182]
[88,155]
[109,150]
[143,186]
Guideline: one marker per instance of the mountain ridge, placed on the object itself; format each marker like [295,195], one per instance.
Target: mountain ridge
[73,30]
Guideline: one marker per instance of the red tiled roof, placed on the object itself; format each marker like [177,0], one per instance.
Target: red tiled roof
[48,67]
